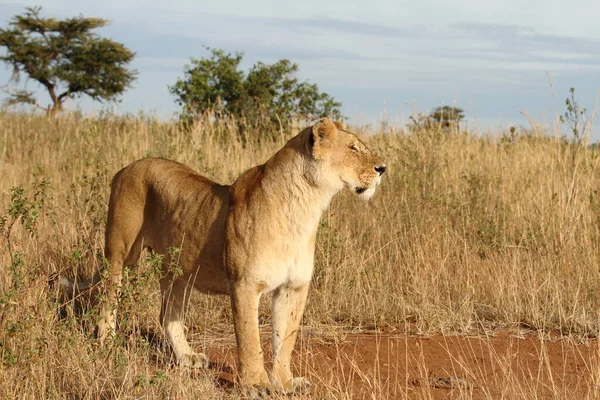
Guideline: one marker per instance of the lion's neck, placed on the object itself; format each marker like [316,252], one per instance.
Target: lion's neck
[287,180]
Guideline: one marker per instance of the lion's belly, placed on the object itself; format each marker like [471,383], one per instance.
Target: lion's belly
[207,270]
[211,279]
[199,256]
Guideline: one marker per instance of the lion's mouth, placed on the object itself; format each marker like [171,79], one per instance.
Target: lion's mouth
[360,190]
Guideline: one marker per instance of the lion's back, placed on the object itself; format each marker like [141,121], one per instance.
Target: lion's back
[166,178]
[170,194]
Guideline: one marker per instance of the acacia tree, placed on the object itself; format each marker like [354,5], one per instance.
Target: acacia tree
[65,57]
[266,92]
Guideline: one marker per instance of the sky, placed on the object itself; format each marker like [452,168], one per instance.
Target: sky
[504,62]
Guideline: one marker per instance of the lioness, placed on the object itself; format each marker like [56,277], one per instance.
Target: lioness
[253,237]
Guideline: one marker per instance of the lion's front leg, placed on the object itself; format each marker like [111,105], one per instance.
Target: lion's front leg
[288,308]
[245,297]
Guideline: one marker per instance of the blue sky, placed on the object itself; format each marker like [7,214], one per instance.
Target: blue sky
[493,59]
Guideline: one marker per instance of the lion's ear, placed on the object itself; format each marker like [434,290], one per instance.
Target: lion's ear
[340,125]
[323,130]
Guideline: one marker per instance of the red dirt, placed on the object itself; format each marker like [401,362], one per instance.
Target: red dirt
[390,366]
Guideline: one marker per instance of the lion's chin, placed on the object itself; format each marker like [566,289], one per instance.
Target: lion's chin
[365,193]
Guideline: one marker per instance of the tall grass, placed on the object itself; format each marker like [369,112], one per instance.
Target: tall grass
[467,233]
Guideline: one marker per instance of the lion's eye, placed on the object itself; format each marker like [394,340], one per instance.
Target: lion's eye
[353,148]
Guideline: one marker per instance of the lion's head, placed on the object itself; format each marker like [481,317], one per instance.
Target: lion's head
[344,160]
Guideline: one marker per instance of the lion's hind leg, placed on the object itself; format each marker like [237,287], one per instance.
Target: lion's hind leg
[175,296]
[118,253]
[123,245]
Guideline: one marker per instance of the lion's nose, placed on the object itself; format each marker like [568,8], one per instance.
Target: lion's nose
[380,169]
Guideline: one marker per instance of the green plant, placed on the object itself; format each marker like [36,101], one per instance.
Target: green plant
[575,118]
[24,208]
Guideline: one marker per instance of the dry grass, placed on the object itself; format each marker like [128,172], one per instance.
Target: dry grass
[467,234]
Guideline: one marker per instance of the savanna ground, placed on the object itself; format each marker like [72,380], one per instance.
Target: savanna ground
[473,273]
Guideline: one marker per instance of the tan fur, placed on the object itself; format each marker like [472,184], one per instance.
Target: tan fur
[244,240]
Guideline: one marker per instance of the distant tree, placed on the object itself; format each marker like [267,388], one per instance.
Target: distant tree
[65,57]
[444,117]
[447,116]
[267,92]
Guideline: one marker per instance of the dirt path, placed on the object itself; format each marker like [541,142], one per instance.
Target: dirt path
[392,366]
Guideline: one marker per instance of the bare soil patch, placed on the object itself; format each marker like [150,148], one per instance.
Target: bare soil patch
[376,365]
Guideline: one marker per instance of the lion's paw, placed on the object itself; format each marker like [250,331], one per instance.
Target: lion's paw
[300,385]
[194,360]
[259,391]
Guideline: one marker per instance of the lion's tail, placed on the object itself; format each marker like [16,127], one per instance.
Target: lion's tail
[70,286]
